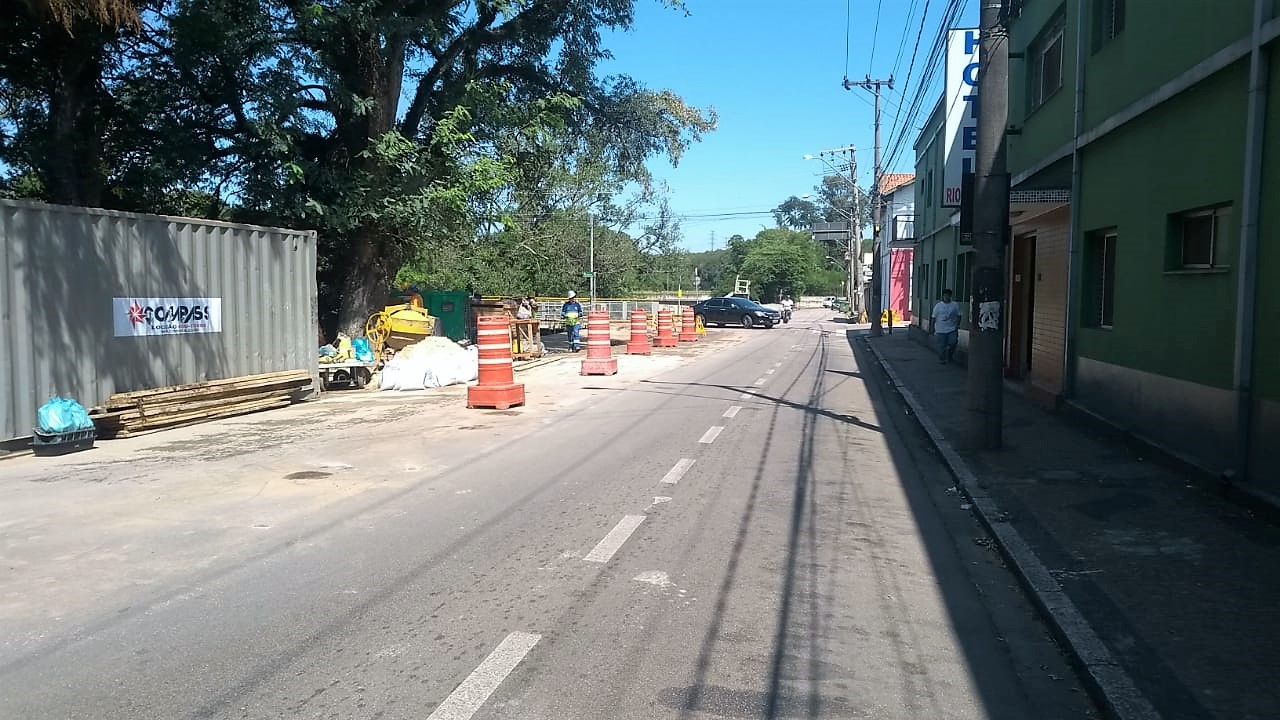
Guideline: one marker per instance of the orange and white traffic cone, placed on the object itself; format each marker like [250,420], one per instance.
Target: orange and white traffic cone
[688,331]
[639,344]
[666,337]
[600,359]
[497,387]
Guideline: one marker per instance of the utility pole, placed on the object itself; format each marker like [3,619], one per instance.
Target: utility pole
[990,225]
[591,223]
[853,265]
[876,203]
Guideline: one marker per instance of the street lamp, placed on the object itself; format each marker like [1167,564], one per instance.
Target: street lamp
[853,285]
[591,222]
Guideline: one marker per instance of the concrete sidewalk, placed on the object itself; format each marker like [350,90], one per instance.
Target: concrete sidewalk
[1165,593]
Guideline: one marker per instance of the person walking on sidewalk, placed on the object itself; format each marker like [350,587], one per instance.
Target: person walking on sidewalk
[571,312]
[945,326]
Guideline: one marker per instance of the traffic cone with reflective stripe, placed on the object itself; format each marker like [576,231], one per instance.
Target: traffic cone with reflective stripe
[688,332]
[639,344]
[600,359]
[666,337]
[497,387]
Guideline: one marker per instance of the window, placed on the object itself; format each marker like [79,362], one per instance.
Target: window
[942,277]
[924,282]
[1100,281]
[1045,60]
[1108,21]
[1197,236]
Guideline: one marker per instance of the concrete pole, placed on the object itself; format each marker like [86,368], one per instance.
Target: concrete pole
[873,306]
[591,222]
[854,262]
[877,209]
[990,223]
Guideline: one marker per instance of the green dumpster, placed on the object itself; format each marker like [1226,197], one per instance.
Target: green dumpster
[452,307]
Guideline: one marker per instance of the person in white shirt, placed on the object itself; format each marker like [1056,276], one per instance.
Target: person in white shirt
[946,323]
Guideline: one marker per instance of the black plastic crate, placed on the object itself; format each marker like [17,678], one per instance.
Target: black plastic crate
[47,444]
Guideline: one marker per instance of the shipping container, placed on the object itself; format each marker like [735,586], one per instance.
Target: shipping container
[94,302]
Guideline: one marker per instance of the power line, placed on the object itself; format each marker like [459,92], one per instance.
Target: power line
[902,42]
[875,35]
[906,86]
[848,25]
[936,60]
[936,56]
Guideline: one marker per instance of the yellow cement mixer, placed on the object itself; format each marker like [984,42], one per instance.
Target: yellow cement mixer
[396,327]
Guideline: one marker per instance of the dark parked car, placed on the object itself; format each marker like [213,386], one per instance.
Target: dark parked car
[736,311]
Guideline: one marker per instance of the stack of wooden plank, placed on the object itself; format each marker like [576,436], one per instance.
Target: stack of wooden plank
[142,410]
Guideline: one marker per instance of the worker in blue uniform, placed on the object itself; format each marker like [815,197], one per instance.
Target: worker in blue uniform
[571,313]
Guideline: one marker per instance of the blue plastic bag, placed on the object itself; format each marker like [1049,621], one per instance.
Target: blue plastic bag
[63,415]
[364,353]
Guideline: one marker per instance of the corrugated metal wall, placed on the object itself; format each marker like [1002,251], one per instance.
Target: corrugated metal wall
[61,266]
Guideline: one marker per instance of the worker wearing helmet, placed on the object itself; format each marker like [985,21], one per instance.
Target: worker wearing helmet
[571,312]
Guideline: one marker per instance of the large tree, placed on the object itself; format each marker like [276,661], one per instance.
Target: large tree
[55,60]
[797,213]
[399,129]
[385,178]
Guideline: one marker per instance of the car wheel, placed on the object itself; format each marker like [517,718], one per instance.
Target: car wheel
[748,321]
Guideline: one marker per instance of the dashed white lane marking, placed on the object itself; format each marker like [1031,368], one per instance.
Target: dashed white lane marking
[770,371]
[677,471]
[710,435]
[744,396]
[731,412]
[759,382]
[778,364]
[467,698]
[614,540]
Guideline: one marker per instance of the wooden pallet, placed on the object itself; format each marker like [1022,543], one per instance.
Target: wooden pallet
[130,413]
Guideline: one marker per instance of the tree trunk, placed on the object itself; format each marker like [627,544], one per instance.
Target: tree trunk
[73,154]
[364,287]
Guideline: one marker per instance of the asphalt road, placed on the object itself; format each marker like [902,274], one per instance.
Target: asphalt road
[755,534]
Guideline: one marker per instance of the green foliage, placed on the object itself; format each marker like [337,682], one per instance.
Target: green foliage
[797,213]
[777,262]
[462,140]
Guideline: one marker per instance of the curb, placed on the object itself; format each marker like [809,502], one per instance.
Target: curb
[1111,687]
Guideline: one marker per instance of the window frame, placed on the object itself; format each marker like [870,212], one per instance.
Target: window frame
[1108,22]
[1217,216]
[1100,264]
[1054,33]
[1107,307]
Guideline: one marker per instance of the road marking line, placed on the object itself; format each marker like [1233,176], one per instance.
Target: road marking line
[467,698]
[778,364]
[770,371]
[675,473]
[711,435]
[744,396]
[731,412]
[614,540]
[759,382]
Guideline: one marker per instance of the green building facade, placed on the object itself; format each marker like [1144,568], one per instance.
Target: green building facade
[1145,216]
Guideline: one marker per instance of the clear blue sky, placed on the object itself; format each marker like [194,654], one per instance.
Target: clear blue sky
[773,72]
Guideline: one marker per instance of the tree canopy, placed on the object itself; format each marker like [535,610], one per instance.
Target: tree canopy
[461,141]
